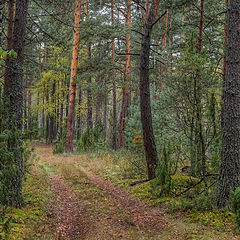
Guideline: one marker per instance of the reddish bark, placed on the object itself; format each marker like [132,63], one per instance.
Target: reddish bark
[72,85]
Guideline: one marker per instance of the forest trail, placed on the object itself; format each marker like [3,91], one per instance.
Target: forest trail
[140,212]
[101,211]
[86,207]
[70,215]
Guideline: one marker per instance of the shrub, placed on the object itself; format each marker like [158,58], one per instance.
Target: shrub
[235,199]
[59,147]
[91,139]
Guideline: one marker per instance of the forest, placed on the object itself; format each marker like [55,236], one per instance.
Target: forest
[119,119]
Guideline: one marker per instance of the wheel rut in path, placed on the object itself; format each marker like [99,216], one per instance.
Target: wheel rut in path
[141,213]
[71,219]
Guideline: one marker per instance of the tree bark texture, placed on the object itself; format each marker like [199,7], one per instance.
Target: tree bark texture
[14,93]
[229,170]
[72,85]
[145,101]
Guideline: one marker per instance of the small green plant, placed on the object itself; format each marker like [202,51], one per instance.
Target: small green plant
[60,145]
[5,222]
[235,197]
[91,139]
[163,183]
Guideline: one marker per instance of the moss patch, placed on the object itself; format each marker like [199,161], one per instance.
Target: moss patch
[32,221]
[216,218]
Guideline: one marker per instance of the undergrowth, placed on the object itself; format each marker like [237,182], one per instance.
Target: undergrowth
[32,221]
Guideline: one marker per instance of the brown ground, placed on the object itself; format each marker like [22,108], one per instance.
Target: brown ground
[70,216]
[140,212]
[90,208]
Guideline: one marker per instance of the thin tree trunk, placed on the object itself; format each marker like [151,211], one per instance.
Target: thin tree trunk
[145,101]
[72,85]
[230,166]
[89,91]
[47,114]
[164,43]
[170,62]
[79,125]
[198,100]
[52,117]
[182,33]
[126,90]
[114,137]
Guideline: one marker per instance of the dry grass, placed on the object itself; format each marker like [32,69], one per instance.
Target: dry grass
[107,220]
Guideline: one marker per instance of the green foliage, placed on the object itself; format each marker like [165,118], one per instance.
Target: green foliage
[28,156]
[9,168]
[59,147]
[215,218]
[91,139]
[9,164]
[163,183]
[235,197]
[4,54]
[5,223]
[197,202]
[27,222]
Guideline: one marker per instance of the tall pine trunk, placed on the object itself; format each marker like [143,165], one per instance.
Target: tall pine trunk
[229,170]
[145,101]
[14,95]
[72,85]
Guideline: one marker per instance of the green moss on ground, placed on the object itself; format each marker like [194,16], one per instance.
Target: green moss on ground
[32,221]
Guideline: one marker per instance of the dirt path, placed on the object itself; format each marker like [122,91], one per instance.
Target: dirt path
[71,218]
[90,208]
[140,212]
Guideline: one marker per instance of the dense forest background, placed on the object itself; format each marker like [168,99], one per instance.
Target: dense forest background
[154,81]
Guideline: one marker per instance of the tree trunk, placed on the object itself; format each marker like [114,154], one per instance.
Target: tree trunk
[145,101]
[200,141]
[89,94]
[14,93]
[229,170]
[114,137]
[72,85]
[126,90]
[89,91]
[79,127]
[164,43]
[52,117]
[182,33]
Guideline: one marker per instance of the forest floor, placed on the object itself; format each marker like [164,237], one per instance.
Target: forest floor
[82,204]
